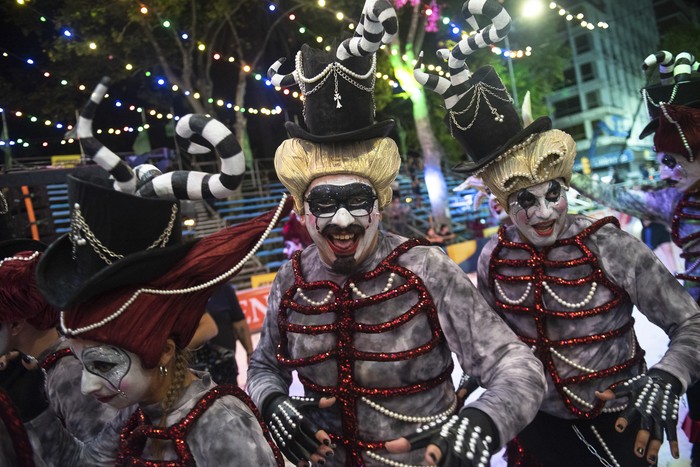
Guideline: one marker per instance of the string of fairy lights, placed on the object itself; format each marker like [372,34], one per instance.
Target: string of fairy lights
[434,20]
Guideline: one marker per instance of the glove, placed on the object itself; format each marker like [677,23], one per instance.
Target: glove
[467,385]
[654,397]
[465,440]
[290,426]
[24,381]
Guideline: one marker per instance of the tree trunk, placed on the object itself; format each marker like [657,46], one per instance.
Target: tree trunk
[432,156]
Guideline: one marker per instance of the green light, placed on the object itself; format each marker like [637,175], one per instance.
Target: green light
[445,20]
[166,24]
[302,30]
[148,73]
[210,100]
[42,19]
[258,76]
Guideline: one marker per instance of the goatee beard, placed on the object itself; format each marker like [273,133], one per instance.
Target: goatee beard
[345,265]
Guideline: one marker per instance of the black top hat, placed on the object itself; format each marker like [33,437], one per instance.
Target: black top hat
[338,98]
[680,93]
[653,125]
[116,239]
[485,122]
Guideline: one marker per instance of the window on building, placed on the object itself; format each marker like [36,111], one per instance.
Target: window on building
[582,43]
[577,132]
[587,72]
[566,107]
[593,99]
[568,79]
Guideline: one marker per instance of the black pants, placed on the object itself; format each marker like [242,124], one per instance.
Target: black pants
[552,442]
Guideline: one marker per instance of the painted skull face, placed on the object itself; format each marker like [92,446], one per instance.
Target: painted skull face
[112,375]
[342,216]
[539,212]
[678,172]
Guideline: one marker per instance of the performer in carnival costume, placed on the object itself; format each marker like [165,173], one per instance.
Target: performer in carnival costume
[367,319]
[132,294]
[674,107]
[566,284]
[28,325]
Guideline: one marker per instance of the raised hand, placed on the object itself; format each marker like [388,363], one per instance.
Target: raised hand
[653,398]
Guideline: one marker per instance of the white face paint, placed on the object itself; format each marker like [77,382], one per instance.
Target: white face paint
[539,212]
[342,216]
[112,375]
[4,338]
[678,172]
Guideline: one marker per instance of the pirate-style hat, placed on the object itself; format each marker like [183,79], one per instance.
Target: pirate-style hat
[338,86]
[480,111]
[116,239]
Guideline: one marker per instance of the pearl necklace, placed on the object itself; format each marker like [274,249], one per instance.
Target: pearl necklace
[195,288]
[410,418]
[386,288]
[580,304]
[684,139]
[510,301]
[329,295]
[588,405]
[21,258]
[387,461]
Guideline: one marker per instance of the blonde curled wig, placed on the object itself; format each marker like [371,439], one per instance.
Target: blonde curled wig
[543,156]
[298,162]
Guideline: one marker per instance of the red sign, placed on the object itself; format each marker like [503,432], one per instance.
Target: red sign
[254,305]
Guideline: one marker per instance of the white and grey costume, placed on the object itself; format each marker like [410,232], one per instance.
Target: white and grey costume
[380,341]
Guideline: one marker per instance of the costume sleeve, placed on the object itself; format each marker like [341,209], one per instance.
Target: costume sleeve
[657,294]
[265,374]
[651,205]
[229,434]
[59,448]
[485,347]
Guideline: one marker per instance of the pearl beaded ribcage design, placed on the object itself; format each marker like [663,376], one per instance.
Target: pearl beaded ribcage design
[410,418]
[557,298]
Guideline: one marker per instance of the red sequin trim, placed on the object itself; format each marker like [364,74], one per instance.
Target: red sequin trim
[52,359]
[539,264]
[681,216]
[347,390]
[139,429]
[18,434]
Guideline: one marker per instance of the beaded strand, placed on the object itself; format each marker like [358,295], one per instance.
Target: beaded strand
[187,290]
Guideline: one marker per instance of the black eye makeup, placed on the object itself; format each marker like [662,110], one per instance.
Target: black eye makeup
[325,200]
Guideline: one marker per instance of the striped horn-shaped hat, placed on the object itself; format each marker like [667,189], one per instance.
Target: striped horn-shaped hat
[678,87]
[480,111]
[678,83]
[179,184]
[338,85]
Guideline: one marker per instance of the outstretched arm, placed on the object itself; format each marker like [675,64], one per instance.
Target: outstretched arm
[653,205]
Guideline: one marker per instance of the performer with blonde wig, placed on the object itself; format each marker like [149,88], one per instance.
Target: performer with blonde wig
[566,285]
[369,319]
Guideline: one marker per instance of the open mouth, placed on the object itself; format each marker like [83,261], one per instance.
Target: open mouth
[343,243]
[544,229]
[671,182]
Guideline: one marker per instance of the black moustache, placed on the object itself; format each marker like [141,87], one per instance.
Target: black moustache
[352,229]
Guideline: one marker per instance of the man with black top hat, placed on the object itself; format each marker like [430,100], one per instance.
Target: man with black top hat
[367,319]
[566,285]
[674,107]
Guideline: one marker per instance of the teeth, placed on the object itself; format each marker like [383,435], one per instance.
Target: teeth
[343,237]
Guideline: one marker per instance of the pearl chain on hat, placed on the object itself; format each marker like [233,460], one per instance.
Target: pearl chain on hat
[187,290]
